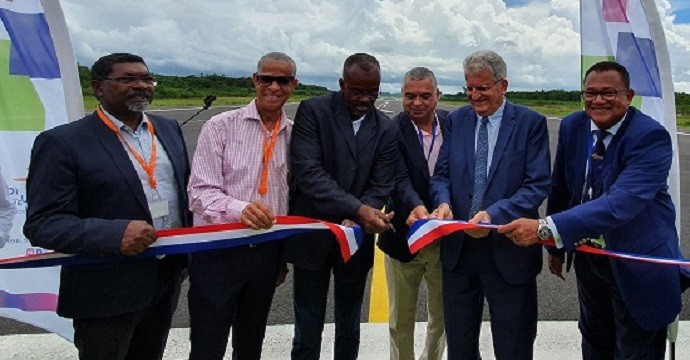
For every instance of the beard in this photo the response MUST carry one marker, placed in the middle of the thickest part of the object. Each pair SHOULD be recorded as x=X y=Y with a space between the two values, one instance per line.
x=138 y=101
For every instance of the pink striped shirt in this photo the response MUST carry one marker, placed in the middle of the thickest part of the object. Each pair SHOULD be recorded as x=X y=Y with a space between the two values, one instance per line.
x=226 y=170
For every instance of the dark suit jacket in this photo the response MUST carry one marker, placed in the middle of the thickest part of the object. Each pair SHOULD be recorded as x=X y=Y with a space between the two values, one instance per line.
x=335 y=172
x=518 y=182
x=411 y=185
x=83 y=190
x=635 y=214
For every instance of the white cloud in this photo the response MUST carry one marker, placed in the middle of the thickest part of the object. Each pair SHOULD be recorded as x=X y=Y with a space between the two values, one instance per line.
x=539 y=40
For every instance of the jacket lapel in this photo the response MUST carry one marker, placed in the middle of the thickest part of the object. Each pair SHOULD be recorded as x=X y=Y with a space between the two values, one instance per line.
x=467 y=130
x=116 y=151
x=344 y=122
x=504 y=133
x=411 y=139
x=367 y=131
x=583 y=139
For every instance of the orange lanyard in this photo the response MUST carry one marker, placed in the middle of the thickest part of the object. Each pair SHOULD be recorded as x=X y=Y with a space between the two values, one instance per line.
x=269 y=145
x=149 y=168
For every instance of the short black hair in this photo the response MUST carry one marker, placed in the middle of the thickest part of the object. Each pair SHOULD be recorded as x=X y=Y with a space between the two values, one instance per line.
x=365 y=61
x=103 y=67
x=610 y=66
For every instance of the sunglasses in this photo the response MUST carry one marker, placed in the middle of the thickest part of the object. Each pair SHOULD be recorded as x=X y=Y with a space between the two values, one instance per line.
x=267 y=80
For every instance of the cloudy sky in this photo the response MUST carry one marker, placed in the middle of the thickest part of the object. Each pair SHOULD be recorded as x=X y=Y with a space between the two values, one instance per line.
x=538 y=38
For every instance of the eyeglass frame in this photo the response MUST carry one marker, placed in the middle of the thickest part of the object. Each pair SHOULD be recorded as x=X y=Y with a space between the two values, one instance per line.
x=612 y=94
x=131 y=80
x=480 y=89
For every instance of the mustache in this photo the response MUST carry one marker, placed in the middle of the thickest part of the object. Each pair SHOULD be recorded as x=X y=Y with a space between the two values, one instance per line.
x=139 y=93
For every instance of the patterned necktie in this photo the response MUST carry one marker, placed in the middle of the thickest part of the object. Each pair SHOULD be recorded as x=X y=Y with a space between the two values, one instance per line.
x=594 y=181
x=480 y=166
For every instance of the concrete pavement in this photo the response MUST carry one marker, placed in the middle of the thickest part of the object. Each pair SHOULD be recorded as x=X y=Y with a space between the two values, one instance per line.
x=555 y=340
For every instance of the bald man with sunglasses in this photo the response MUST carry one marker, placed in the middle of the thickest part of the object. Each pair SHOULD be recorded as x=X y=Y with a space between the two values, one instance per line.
x=239 y=174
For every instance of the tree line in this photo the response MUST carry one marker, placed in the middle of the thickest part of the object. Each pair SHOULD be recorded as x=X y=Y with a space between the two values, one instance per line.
x=198 y=86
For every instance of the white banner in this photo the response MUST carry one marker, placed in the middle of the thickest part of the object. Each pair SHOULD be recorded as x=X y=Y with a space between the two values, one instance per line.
x=630 y=33
x=39 y=89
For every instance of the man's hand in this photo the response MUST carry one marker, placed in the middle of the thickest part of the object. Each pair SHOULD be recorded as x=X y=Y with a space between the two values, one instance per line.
x=443 y=212
x=417 y=213
x=137 y=237
x=556 y=265
x=257 y=216
x=523 y=232
x=481 y=216
x=373 y=220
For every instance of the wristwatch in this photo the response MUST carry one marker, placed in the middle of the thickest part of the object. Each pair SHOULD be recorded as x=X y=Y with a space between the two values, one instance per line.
x=543 y=231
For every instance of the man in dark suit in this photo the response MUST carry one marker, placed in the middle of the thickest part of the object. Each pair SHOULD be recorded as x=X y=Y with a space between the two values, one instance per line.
x=102 y=186
x=494 y=166
x=610 y=189
x=342 y=153
x=421 y=127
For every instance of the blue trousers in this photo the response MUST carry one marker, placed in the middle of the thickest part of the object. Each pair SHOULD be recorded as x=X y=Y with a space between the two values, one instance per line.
x=607 y=327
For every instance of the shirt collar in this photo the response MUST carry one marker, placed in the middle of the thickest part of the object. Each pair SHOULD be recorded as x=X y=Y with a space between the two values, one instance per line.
x=613 y=129
x=496 y=117
x=253 y=114
x=124 y=127
x=437 y=125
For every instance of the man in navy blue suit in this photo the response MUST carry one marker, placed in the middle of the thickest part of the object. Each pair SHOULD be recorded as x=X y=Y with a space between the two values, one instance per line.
x=610 y=189
x=102 y=186
x=494 y=166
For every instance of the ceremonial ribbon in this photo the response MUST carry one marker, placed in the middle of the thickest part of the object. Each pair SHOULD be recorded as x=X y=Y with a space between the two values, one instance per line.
x=209 y=237
x=149 y=168
x=424 y=232
x=269 y=145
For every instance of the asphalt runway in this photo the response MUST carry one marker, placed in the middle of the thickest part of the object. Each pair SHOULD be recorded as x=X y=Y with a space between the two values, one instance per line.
x=557 y=298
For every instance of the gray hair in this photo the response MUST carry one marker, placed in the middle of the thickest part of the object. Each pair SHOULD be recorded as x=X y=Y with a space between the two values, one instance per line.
x=277 y=56
x=420 y=73
x=483 y=60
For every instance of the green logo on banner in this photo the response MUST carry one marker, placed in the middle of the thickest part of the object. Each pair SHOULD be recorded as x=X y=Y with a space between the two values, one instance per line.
x=21 y=108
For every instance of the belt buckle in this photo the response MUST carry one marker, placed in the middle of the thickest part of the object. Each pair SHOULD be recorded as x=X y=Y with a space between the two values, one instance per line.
x=252 y=245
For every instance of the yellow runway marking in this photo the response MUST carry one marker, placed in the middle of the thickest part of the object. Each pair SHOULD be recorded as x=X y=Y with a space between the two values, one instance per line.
x=378 y=299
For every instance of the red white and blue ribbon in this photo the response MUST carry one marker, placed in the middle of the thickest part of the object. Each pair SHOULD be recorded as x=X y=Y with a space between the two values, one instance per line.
x=424 y=232
x=209 y=237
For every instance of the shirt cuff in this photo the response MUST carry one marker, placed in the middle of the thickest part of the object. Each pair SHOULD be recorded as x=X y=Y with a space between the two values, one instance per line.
x=554 y=231
x=234 y=211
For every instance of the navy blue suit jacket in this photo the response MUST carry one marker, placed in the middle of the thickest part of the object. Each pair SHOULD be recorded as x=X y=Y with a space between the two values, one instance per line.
x=335 y=172
x=411 y=185
x=83 y=190
x=518 y=182
x=635 y=213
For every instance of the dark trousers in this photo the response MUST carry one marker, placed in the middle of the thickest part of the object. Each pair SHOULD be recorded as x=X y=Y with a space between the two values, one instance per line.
x=137 y=335
x=513 y=308
x=607 y=327
x=231 y=288
x=310 y=295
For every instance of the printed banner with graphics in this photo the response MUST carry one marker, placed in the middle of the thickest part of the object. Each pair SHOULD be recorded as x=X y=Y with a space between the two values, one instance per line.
x=39 y=89
x=630 y=33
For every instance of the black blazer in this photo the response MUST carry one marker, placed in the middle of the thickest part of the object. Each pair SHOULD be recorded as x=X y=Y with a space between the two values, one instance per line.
x=83 y=190
x=334 y=173
x=411 y=185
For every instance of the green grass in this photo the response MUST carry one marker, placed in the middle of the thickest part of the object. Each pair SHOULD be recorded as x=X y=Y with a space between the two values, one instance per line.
x=548 y=108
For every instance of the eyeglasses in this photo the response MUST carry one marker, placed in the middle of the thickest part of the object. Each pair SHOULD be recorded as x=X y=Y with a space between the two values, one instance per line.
x=267 y=80
x=360 y=94
x=606 y=95
x=481 y=89
x=131 y=80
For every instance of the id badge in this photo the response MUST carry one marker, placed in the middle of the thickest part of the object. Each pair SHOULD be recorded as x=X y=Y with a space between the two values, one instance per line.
x=159 y=209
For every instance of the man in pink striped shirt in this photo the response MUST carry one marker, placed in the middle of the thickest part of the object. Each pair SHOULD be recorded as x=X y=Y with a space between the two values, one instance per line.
x=239 y=174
